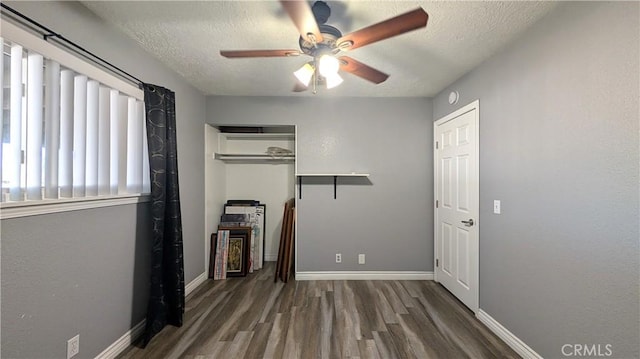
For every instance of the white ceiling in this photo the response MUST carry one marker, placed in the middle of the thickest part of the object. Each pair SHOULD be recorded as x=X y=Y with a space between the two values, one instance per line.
x=188 y=36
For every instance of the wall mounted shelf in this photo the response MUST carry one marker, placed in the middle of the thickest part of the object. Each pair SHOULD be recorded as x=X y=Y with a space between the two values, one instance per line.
x=335 y=180
x=352 y=174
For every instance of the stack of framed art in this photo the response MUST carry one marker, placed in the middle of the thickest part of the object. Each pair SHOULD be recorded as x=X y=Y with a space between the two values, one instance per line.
x=238 y=246
x=255 y=217
x=231 y=252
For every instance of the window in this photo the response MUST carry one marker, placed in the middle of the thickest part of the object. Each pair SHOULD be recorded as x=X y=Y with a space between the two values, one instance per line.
x=69 y=129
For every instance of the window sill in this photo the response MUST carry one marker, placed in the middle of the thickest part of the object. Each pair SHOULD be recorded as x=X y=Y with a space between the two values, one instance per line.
x=34 y=208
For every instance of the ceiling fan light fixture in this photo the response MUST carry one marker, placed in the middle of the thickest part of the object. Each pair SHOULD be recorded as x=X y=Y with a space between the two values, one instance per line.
x=304 y=74
x=333 y=81
x=328 y=66
x=324 y=42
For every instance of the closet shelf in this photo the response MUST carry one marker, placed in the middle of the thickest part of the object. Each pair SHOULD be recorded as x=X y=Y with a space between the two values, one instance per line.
x=236 y=157
x=254 y=147
x=258 y=136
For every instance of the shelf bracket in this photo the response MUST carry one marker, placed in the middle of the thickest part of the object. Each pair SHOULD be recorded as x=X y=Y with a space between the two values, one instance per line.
x=335 y=186
x=299 y=187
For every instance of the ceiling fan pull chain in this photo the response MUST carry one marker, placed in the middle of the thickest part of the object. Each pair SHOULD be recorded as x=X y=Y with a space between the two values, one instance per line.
x=315 y=76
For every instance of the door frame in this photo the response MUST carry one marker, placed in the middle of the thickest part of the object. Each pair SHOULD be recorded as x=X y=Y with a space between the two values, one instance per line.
x=475 y=105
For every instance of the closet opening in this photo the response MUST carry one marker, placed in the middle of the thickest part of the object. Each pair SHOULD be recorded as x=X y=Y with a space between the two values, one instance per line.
x=249 y=163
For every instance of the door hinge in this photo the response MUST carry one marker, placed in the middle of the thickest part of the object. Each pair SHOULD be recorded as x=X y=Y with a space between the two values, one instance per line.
x=437 y=262
x=437 y=203
x=436 y=145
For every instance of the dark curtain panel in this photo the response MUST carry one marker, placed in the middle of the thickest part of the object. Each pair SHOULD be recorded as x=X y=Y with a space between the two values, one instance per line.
x=166 y=298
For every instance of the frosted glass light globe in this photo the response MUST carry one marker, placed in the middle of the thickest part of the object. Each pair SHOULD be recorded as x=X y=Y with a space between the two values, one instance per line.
x=328 y=65
x=333 y=81
x=304 y=74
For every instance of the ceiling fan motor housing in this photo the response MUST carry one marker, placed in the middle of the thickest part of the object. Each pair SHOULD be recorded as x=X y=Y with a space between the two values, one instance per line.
x=329 y=36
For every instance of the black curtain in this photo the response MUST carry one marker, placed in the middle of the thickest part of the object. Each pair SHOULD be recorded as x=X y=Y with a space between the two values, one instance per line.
x=166 y=297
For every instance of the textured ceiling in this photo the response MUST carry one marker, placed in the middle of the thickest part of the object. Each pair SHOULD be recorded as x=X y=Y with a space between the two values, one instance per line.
x=187 y=36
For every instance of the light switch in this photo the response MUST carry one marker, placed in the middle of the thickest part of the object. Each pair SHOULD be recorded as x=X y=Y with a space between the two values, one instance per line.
x=496 y=206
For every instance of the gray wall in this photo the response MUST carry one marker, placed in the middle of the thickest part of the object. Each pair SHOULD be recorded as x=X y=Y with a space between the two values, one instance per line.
x=387 y=217
x=86 y=272
x=559 y=147
x=80 y=272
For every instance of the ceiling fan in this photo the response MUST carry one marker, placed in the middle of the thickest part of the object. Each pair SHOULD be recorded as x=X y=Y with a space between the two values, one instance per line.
x=324 y=42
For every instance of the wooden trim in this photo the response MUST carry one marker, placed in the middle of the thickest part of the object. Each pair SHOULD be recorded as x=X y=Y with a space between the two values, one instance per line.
x=365 y=275
x=195 y=283
x=123 y=342
x=503 y=333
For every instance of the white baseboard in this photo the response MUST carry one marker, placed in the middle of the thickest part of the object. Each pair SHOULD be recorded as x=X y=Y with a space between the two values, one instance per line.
x=134 y=333
x=271 y=257
x=195 y=283
x=365 y=275
x=123 y=342
x=503 y=333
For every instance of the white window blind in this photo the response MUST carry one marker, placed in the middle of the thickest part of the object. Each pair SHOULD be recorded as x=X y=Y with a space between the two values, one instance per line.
x=104 y=129
x=13 y=169
x=65 y=171
x=134 y=141
x=52 y=126
x=66 y=134
x=121 y=182
x=79 y=150
x=91 y=176
x=35 y=107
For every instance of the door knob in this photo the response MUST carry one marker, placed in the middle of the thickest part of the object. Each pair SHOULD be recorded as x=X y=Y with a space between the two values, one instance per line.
x=468 y=223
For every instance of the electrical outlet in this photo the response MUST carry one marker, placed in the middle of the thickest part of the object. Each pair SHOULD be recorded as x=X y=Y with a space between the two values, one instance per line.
x=496 y=206
x=360 y=258
x=338 y=258
x=73 y=346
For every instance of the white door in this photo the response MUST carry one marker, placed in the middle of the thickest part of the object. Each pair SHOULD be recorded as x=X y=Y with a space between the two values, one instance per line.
x=456 y=193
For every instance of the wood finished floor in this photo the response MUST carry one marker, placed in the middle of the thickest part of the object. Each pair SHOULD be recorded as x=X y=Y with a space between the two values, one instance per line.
x=253 y=317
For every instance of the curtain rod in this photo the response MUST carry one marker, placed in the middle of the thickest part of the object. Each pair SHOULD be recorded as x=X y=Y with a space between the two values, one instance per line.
x=48 y=34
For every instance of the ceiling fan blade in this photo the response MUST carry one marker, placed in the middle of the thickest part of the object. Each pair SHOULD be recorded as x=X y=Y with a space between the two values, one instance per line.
x=383 y=30
x=302 y=16
x=359 y=69
x=259 y=53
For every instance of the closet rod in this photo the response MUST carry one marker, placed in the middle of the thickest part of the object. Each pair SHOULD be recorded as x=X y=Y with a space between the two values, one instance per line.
x=48 y=34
